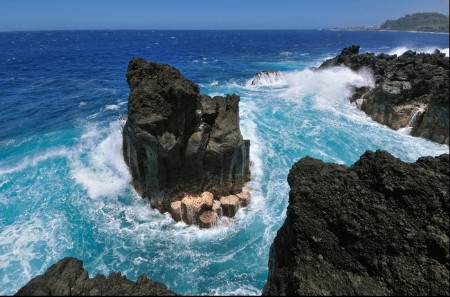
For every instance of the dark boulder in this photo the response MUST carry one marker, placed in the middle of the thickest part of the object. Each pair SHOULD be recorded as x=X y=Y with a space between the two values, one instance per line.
x=68 y=278
x=178 y=142
x=378 y=227
x=411 y=91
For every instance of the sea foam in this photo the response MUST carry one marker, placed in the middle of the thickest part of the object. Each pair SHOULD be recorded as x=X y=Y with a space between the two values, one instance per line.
x=400 y=50
x=99 y=165
x=327 y=86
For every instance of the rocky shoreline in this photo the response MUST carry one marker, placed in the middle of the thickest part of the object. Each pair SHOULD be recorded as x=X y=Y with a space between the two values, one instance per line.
x=411 y=91
x=185 y=150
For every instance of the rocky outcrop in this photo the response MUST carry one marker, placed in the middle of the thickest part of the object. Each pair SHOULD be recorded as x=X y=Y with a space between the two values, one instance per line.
x=68 y=278
x=378 y=227
x=180 y=144
x=267 y=78
x=411 y=91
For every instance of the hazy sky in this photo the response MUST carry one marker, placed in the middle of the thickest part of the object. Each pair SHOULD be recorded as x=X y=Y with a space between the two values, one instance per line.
x=205 y=14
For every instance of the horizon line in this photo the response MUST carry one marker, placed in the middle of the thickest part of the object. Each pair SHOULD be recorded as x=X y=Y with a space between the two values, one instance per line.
x=316 y=29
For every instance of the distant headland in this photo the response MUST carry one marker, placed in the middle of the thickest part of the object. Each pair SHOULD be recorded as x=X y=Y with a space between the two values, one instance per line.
x=421 y=22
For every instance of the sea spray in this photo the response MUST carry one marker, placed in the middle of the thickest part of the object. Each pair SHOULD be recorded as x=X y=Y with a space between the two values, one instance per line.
x=428 y=50
x=99 y=166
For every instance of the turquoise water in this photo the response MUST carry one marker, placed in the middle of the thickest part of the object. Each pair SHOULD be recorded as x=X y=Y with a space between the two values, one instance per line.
x=64 y=189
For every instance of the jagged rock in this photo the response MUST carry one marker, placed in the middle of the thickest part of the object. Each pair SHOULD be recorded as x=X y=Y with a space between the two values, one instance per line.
x=230 y=205
x=403 y=84
x=178 y=142
x=244 y=198
x=193 y=206
x=68 y=278
x=217 y=208
x=378 y=227
x=208 y=219
x=176 y=210
x=267 y=78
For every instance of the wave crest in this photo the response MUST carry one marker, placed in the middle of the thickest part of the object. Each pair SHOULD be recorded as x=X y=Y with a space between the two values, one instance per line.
x=267 y=78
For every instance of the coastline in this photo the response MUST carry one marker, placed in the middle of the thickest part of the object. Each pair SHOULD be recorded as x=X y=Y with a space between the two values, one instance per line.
x=382 y=30
x=120 y=228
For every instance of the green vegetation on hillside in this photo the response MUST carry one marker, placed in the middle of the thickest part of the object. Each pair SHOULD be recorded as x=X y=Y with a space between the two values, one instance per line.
x=425 y=21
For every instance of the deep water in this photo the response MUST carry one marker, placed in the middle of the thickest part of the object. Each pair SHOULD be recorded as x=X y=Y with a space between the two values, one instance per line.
x=64 y=189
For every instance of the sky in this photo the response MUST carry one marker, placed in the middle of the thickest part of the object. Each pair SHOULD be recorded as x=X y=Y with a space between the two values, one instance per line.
x=29 y=15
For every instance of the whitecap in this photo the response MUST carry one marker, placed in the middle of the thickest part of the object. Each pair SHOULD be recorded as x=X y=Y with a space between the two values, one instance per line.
x=211 y=84
x=56 y=152
x=112 y=107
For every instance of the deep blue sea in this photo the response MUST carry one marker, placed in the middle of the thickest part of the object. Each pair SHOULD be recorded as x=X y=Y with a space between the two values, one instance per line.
x=64 y=188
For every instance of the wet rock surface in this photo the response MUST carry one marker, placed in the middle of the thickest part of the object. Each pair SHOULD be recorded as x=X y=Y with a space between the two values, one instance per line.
x=267 y=78
x=178 y=142
x=411 y=90
x=378 y=227
x=68 y=278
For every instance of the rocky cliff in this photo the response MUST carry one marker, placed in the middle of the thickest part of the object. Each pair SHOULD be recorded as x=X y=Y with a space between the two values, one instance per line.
x=421 y=21
x=411 y=91
x=378 y=227
x=68 y=278
x=184 y=150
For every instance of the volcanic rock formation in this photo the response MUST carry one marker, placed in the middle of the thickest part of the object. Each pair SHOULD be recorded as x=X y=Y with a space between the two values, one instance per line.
x=267 y=78
x=378 y=227
x=185 y=150
x=411 y=91
x=68 y=278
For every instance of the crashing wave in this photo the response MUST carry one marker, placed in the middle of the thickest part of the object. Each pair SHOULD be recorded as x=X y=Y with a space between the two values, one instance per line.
x=267 y=78
x=400 y=50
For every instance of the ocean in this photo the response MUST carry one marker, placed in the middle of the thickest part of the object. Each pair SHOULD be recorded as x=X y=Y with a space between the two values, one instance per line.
x=65 y=190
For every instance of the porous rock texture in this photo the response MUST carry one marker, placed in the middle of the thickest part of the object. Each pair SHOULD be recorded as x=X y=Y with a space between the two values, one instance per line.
x=68 y=278
x=179 y=143
x=378 y=227
x=411 y=91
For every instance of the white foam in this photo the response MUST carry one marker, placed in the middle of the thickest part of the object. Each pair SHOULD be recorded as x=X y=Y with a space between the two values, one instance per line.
x=112 y=107
x=267 y=78
x=99 y=167
x=286 y=53
x=248 y=112
x=35 y=160
x=15 y=142
x=26 y=240
x=400 y=50
x=417 y=111
x=115 y=106
x=211 y=84
x=332 y=85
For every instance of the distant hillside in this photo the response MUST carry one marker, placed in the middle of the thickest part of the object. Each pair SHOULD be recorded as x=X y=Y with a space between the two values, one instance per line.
x=425 y=21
